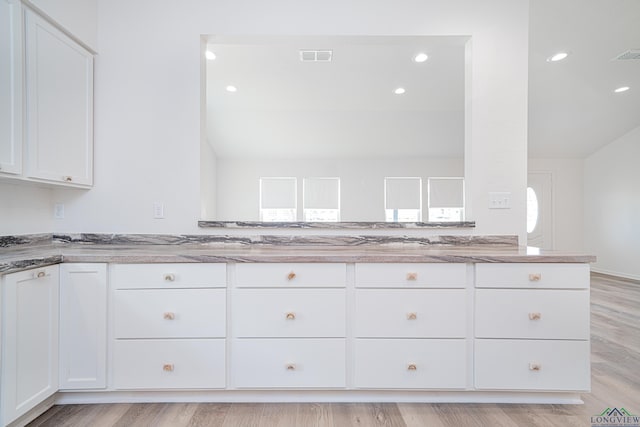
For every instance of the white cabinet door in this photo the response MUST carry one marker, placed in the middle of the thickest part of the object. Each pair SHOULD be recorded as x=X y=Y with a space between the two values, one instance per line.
x=29 y=340
x=10 y=87
x=59 y=122
x=83 y=326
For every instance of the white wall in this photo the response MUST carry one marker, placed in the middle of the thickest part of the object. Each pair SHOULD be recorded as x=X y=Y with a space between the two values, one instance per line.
x=361 y=180
x=567 y=181
x=612 y=206
x=25 y=209
x=148 y=98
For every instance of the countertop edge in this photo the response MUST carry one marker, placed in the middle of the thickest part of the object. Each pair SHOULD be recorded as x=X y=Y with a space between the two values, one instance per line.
x=42 y=257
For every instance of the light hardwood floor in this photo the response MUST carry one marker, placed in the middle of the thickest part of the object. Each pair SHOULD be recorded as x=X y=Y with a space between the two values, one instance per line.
x=615 y=361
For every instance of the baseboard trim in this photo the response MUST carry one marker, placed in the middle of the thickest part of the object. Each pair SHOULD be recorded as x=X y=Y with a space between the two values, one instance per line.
x=317 y=396
x=616 y=274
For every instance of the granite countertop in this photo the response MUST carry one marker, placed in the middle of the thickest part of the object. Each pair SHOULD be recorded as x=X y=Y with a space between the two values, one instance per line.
x=17 y=258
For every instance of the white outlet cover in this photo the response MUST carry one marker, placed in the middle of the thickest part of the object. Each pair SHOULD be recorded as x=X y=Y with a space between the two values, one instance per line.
x=58 y=211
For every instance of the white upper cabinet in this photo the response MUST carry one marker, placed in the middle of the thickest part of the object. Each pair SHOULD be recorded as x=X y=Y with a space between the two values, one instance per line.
x=59 y=113
x=11 y=84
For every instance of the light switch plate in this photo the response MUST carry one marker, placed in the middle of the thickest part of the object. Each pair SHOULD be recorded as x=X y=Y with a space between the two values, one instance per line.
x=158 y=210
x=499 y=200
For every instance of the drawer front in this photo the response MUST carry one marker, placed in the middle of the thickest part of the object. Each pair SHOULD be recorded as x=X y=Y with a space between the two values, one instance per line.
x=411 y=275
x=170 y=313
x=282 y=363
x=411 y=364
x=533 y=275
x=167 y=364
x=291 y=275
x=289 y=313
x=409 y=313
x=532 y=365
x=522 y=313
x=143 y=276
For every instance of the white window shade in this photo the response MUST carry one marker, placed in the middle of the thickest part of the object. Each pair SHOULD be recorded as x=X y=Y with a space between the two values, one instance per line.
x=403 y=193
x=446 y=192
x=277 y=193
x=321 y=193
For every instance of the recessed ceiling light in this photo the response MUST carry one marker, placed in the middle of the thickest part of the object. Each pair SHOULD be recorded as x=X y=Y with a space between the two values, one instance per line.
x=399 y=91
x=622 y=89
x=231 y=88
x=557 y=57
x=421 y=57
x=210 y=55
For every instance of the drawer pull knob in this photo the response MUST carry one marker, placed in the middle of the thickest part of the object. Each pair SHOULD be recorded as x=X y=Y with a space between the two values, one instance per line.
x=68 y=179
x=412 y=316
x=291 y=316
x=169 y=277
x=41 y=274
x=535 y=277
x=535 y=316
x=535 y=366
x=413 y=276
x=169 y=316
x=412 y=367
x=291 y=276
x=290 y=367
x=167 y=367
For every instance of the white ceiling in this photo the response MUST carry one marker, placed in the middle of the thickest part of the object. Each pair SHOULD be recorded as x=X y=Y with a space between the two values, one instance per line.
x=287 y=108
x=344 y=108
x=573 y=110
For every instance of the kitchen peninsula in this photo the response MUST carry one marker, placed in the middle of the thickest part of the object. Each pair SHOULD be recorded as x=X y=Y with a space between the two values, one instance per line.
x=293 y=318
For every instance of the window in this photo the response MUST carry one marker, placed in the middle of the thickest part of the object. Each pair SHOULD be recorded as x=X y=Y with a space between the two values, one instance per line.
x=403 y=199
x=446 y=199
x=532 y=210
x=278 y=201
x=321 y=199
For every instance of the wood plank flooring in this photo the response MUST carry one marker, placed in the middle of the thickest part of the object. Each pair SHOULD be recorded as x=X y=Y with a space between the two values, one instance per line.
x=615 y=361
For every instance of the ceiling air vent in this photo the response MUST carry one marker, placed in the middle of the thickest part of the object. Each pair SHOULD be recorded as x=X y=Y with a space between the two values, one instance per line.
x=630 y=54
x=316 y=55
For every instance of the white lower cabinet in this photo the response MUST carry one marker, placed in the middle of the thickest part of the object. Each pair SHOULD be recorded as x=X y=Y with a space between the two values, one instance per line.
x=169 y=364
x=83 y=326
x=359 y=327
x=29 y=340
x=287 y=363
x=410 y=326
x=410 y=363
x=289 y=326
x=169 y=326
x=532 y=327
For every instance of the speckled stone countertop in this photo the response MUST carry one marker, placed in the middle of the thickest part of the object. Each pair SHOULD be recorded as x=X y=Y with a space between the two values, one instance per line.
x=17 y=257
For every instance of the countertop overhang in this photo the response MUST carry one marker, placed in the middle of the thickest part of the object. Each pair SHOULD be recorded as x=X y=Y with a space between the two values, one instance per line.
x=17 y=259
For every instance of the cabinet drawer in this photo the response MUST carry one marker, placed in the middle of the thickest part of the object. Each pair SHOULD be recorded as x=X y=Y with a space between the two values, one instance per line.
x=522 y=313
x=142 y=276
x=533 y=275
x=289 y=313
x=166 y=364
x=278 y=363
x=291 y=275
x=170 y=313
x=532 y=365
x=419 y=313
x=412 y=275
x=411 y=364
